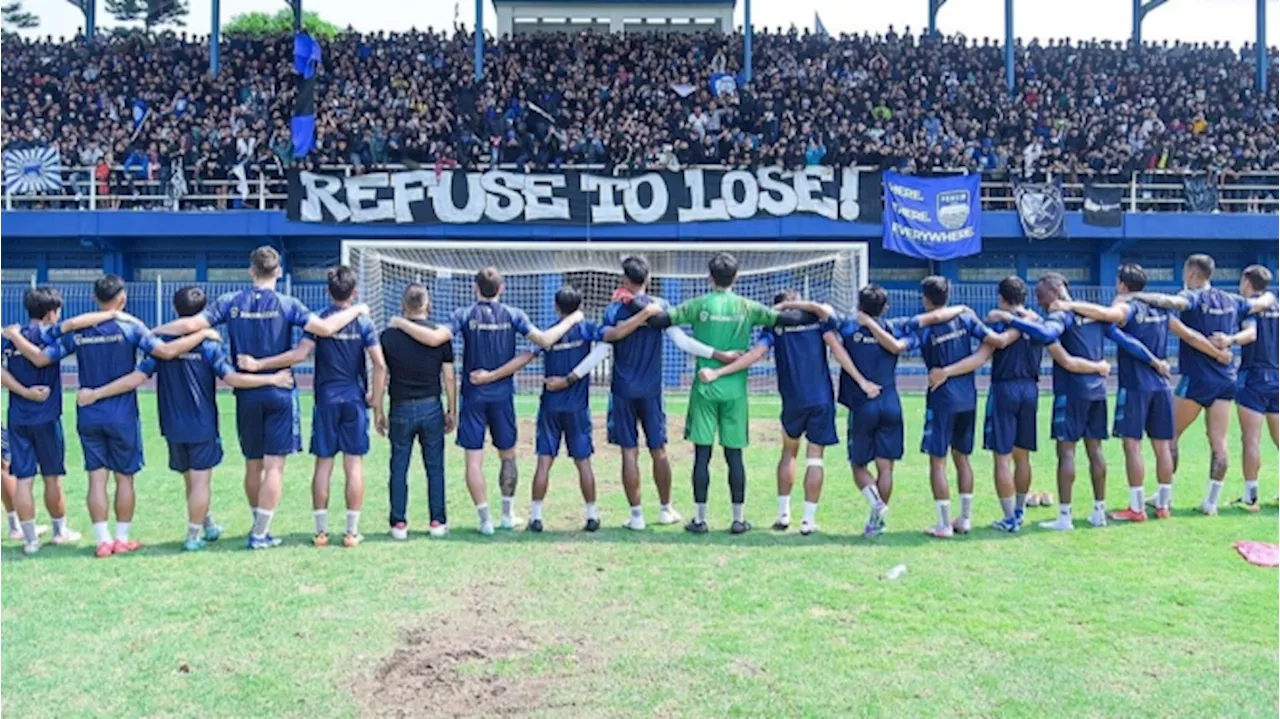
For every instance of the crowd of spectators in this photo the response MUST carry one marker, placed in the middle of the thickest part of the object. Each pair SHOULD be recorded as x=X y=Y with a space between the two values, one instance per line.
x=899 y=100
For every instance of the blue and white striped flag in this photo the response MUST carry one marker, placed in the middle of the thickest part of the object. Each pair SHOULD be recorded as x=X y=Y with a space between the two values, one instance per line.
x=38 y=169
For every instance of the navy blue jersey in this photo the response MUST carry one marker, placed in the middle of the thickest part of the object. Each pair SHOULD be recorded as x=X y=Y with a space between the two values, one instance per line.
x=23 y=411
x=259 y=323
x=637 y=358
x=560 y=360
x=1150 y=326
x=1019 y=361
x=1208 y=310
x=488 y=330
x=1080 y=337
x=877 y=364
x=947 y=343
x=186 y=391
x=340 y=366
x=1259 y=354
x=801 y=358
x=105 y=353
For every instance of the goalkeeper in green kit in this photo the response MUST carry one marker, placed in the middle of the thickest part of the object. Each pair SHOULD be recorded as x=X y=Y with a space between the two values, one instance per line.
x=724 y=321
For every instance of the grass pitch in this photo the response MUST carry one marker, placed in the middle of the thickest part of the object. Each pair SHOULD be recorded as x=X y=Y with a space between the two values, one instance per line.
x=1159 y=620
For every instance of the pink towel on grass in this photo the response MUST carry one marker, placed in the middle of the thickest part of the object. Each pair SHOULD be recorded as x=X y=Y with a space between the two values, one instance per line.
x=1259 y=553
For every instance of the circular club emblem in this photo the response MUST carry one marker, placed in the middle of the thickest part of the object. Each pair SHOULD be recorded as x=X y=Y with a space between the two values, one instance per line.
x=473 y=325
x=704 y=316
x=235 y=312
x=777 y=331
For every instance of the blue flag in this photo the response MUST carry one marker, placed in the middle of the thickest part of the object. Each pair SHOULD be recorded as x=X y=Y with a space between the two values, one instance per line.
x=140 y=111
x=722 y=83
x=306 y=59
x=818 y=28
x=933 y=218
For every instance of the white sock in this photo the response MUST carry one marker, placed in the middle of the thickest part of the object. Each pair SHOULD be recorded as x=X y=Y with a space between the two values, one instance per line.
x=193 y=532
x=966 y=506
x=1099 y=506
x=637 y=512
x=321 y=517
x=1165 y=496
x=262 y=522
x=59 y=526
x=1251 y=491
x=666 y=508
x=1006 y=506
x=122 y=531
x=1020 y=503
x=944 y=512
x=353 y=521
x=15 y=525
x=508 y=506
x=483 y=511
x=535 y=510
x=1064 y=513
x=1215 y=492
x=208 y=521
x=784 y=506
x=1137 y=499
x=700 y=512
x=592 y=512
x=810 y=512
x=873 y=495
x=101 y=533
x=738 y=511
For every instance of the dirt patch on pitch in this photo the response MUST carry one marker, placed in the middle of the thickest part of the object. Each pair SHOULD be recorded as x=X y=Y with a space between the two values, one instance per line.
x=477 y=661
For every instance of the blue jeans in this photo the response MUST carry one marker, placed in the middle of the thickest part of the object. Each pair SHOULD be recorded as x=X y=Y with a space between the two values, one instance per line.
x=422 y=419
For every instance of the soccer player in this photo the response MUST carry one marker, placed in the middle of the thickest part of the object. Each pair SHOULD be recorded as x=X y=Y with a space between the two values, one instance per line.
x=340 y=417
x=1144 y=403
x=1258 y=386
x=488 y=328
x=106 y=344
x=944 y=334
x=634 y=324
x=186 y=400
x=260 y=324
x=1206 y=383
x=808 y=404
x=35 y=422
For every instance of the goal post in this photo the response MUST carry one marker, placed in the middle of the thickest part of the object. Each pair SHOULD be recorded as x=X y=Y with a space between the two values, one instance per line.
x=830 y=272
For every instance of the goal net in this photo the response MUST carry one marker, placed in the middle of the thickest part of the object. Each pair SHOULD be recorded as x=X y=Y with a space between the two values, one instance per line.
x=533 y=271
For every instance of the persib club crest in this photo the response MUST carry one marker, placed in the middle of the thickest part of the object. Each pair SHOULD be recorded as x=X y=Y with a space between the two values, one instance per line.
x=953 y=209
x=704 y=316
x=235 y=312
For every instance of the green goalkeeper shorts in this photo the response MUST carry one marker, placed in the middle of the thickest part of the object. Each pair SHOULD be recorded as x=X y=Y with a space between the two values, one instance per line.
x=706 y=417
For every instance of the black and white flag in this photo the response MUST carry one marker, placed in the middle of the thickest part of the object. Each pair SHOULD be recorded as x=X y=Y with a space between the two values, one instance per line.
x=38 y=169
x=1102 y=205
x=1041 y=209
x=1202 y=195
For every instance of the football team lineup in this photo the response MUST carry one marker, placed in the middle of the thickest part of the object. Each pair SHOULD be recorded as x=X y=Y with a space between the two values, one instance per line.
x=356 y=367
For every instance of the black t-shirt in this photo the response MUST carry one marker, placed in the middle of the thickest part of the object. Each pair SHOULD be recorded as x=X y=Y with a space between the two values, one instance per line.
x=414 y=367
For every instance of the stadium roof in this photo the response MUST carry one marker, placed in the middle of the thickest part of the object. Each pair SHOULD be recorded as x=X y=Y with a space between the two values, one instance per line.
x=664 y=3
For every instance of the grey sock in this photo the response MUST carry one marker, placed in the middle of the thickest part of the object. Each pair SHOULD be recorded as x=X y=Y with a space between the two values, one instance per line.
x=261 y=522
x=29 y=532
x=208 y=521
x=1020 y=503
x=193 y=532
x=59 y=526
x=1006 y=504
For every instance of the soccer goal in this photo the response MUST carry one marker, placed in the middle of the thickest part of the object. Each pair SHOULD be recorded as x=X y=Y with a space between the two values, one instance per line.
x=830 y=272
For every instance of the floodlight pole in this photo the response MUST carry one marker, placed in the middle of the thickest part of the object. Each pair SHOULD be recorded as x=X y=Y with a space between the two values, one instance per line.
x=1260 y=48
x=746 y=41
x=479 y=59
x=1140 y=11
x=90 y=8
x=215 y=31
x=934 y=7
x=1008 y=45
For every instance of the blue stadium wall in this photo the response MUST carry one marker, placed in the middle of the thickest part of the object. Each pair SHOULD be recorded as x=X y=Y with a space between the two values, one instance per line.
x=57 y=245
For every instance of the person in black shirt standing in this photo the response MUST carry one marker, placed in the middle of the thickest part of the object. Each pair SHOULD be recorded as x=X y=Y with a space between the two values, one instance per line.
x=417 y=373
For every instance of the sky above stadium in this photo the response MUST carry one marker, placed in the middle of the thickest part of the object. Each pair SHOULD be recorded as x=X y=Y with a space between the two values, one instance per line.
x=1192 y=20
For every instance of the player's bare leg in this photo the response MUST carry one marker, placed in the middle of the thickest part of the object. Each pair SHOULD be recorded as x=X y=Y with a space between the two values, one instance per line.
x=197 y=482
x=1021 y=480
x=964 y=483
x=662 y=480
x=268 y=499
x=8 y=487
x=941 y=497
x=126 y=500
x=813 y=479
x=353 y=468
x=508 y=479
x=1273 y=422
x=884 y=478
x=475 y=485
x=631 y=485
x=321 y=477
x=99 y=510
x=252 y=483
x=23 y=512
x=1066 y=478
x=55 y=502
x=587 y=483
x=541 y=480
x=1002 y=470
x=786 y=481
x=1098 y=478
x=1216 y=420
x=1137 y=475
x=1185 y=411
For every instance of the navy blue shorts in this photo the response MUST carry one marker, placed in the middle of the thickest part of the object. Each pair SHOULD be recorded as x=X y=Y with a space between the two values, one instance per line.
x=817 y=424
x=195 y=456
x=341 y=427
x=1259 y=390
x=574 y=426
x=499 y=416
x=37 y=449
x=946 y=429
x=1205 y=392
x=1011 y=416
x=267 y=423
x=116 y=447
x=1144 y=411
x=1076 y=419
x=875 y=430
x=627 y=415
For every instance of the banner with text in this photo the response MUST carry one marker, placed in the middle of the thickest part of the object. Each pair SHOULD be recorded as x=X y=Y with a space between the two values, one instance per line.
x=425 y=197
x=933 y=218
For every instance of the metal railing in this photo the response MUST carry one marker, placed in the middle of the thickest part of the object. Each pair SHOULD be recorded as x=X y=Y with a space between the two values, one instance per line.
x=1148 y=191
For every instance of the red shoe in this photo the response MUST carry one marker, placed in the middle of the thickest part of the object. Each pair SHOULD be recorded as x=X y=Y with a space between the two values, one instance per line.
x=124 y=546
x=1162 y=512
x=1128 y=515
x=105 y=549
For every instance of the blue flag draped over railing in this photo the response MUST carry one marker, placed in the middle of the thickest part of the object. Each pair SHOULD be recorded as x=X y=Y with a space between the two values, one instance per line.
x=933 y=218
x=306 y=60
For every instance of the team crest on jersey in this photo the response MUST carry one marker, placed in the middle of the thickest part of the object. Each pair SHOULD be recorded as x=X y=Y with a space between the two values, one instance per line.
x=235 y=312
x=777 y=331
x=704 y=316
x=473 y=324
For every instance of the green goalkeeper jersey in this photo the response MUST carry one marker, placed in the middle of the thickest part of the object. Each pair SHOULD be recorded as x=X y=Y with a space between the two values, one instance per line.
x=724 y=321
